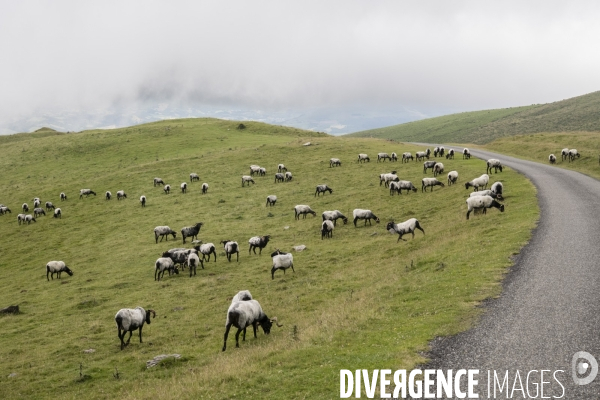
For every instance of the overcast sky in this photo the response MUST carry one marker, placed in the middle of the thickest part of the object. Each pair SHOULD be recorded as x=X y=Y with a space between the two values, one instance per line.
x=425 y=57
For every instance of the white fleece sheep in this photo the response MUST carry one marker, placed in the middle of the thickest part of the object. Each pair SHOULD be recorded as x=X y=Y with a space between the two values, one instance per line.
x=86 y=192
x=452 y=177
x=438 y=168
x=288 y=176
x=399 y=186
x=254 y=169
x=407 y=156
x=163 y=231
x=259 y=242
x=387 y=178
x=183 y=187
x=121 y=195
x=164 y=264
x=450 y=154
x=493 y=163
x=38 y=211
x=564 y=153
x=420 y=155
x=108 y=195
x=206 y=249
x=158 y=181
x=57 y=267
x=302 y=209
x=63 y=196
x=367 y=215
x=247 y=179
x=204 y=188
x=482 y=202
x=466 y=154
x=430 y=182
x=334 y=216
x=49 y=206
x=335 y=162
x=394 y=157
x=194 y=177
x=322 y=189
x=283 y=262
x=552 y=158
x=58 y=213
x=192 y=261
x=143 y=201
x=363 y=157
x=242 y=295
x=243 y=314
x=572 y=154
x=129 y=320
x=231 y=247
x=167 y=189
x=281 y=168
x=279 y=177
x=383 y=156
x=405 y=227
x=271 y=200
x=327 y=229
x=477 y=183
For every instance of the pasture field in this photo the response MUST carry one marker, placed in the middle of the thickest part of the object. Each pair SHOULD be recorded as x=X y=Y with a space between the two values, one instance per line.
x=538 y=147
x=358 y=300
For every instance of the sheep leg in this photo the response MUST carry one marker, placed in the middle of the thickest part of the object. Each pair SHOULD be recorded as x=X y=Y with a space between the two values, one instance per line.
x=237 y=337
x=140 y=333
x=202 y=263
x=238 y=256
x=244 y=335
x=225 y=336
x=254 y=327
x=128 y=339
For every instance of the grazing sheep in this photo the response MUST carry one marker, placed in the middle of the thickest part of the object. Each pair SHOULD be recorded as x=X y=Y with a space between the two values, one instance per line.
x=288 y=176
x=327 y=229
x=420 y=155
x=49 y=206
x=262 y=171
x=158 y=181
x=281 y=168
x=564 y=153
x=335 y=162
x=129 y=320
x=143 y=201
x=108 y=195
x=387 y=178
x=25 y=207
x=242 y=295
x=193 y=261
x=258 y=241
x=477 y=183
x=430 y=182
x=497 y=188
x=282 y=261
x=63 y=196
x=204 y=188
x=438 y=168
x=572 y=154
x=4 y=210
x=254 y=169
x=243 y=314
x=427 y=153
x=57 y=267
x=183 y=187
x=191 y=231
x=163 y=231
x=29 y=218
x=194 y=177
x=38 y=211
x=58 y=213
x=427 y=165
x=230 y=248
x=407 y=156
x=487 y=192
x=363 y=157
x=482 y=202
x=334 y=216
x=167 y=189
x=164 y=264
x=450 y=155
x=271 y=200
x=436 y=150
x=383 y=156
x=279 y=177
x=322 y=189
x=206 y=250
x=36 y=202
x=303 y=209
x=247 y=179
x=405 y=227
x=367 y=215
x=86 y=192
x=121 y=195
x=466 y=154
x=394 y=157
x=493 y=163
x=452 y=177
x=20 y=218
x=401 y=185
x=552 y=158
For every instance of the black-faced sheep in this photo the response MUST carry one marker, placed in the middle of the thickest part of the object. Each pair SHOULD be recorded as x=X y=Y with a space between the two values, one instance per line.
x=254 y=169
x=167 y=189
x=86 y=192
x=29 y=218
x=466 y=154
x=497 y=188
x=387 y=178
x=258 y=241
x=430 y=182
x=334 y=216
x=57 y=267
x=38 y=211
x=58 y=213
x=420 y=155
x=452 y=177
x=271 y=200
x=143 y=201
x=322 y=189
x=363 y=157
x=493 y=163
x=194 y=177
x=129 y=320
x=477 y=183
x=183 y=187
x=288 y=176
x=25 y=207
x=231 y=247
x=367 y=215
x=247 y=179
x=108 y=195
x=20 y=218
x=394 y=157
x=564 y=153
x=243 y=314
x=450 y=155
x=164 y=264
x=281 y=168
x=427 y=165
x=303 y=209
x=193 y=261
x=279 y=177
x=4 y=210
x=335 y=162
x=49 y=206
x=438 y=168
x=487 y=192
x=282 y=261
x=164 y=232
x=383 y=156
x=482 y=202
x=262 y=171
x=36 y=202
x=399 y=186
x=405 y=227
x=407 y=156
x=63 y=197
x=204 y=188
x=573 y=153
x=327 y=229
x=191 y=231
x=158 y=181
x=206 y=250
x=552 y=158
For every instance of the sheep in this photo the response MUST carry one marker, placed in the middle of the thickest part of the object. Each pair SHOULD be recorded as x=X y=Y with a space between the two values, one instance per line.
x=167 y=189
x=281 y=168
x=164 y=264
x=452 y=177
x=466 y=154
x=183 y=187
x=49 y=206
x=322 y=189
x=143 y=201
x=271 y=200
x=243 y=314
x=20 y=218
x=204 y=188
x=401 y=185
x=327 y=229
x=283 y=262
x=4 y=210
x=487 y=192
x=191 y=231
x=363 y=157
x=387 y=178
x=405 y=227
x=108 y=195
x=194 y=177
x=552 y=158
x=29 y=218
x=420 y=155
x=497 y=188
x=230 y=248
x=303 y=209
x=430 y=182
x=86 y=192
x=158 y=181
x=262 y=171
x=36 y=202
x=254 y=169
x=427 y=153
x=335 y=162
x=572 y=154
x=276 y=252
x=247 y=179
x=192 y=261
x=179 y=256
x=564 y=153
x=25 y=207
x=63 y=196
x=206 y=250
x=334 y=216
x=367 y=215
x=288 y=176
x=242 y=295
x=383 y=156
x=258 y=241
x=438 y=168
x=477 y=183
x=427 y=165
x=38 y=211
x=279 y=177
x=436 y=150
x=58 y=213
x=407 y=156
x=450 y=154
x=493 y=163
x=163 y=231
x=129 y=320
x=57 y=267
x=482 y=202
x=394 y=157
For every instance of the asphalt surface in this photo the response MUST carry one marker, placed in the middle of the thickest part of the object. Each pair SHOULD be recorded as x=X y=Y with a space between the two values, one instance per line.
x=549 y=308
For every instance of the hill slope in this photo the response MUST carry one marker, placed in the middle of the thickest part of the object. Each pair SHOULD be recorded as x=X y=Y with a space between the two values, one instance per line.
x=577 y=114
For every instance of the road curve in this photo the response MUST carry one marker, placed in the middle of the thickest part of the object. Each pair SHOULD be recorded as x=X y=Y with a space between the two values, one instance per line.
x=549 y=308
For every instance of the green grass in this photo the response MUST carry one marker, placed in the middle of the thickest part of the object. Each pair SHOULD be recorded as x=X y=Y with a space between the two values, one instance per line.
x=571 y=115
x=358 y=300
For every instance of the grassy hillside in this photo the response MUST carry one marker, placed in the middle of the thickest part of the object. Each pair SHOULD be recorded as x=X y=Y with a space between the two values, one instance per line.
x=572 y=115
x=358 y=300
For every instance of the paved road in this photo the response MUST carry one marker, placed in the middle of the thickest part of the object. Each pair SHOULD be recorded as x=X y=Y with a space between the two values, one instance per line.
x=550 y=304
